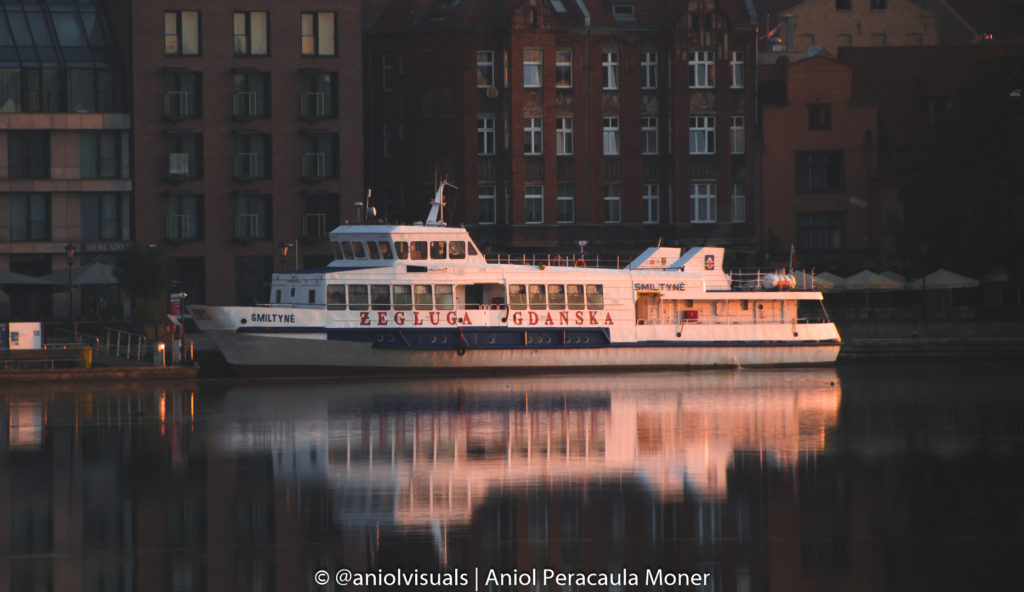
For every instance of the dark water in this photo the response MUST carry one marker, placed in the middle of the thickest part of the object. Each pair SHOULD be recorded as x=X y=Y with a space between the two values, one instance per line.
x=865 y=477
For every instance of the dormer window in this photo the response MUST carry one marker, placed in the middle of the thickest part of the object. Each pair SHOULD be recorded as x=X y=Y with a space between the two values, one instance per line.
x=624 y=12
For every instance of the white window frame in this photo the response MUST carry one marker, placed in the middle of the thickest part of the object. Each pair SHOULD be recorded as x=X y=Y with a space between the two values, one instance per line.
x=387 y=73
x=649 y=135
x=610 y=136
x=739 y=203
x=703 y=196
x=485 y=140
x=737 y=135
x=563 y=189
x=563 y=65
x=484 y=194
x=649 y=70
x=702 y=68
x=736 y=60
x=533 y=193
x=484 y=59
x=610 y=69
x=533 y=67
x=651 y=195
x=533 y=135
x=612 y=199
x=702 y=134
x=563 y=136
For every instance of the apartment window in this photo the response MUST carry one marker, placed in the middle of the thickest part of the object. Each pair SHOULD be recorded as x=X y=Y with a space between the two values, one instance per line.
x=842 y=4
x=649 y=70
x=485 y=135
x=320 y=216
x=105 y=216
x=484 y=69
x=563 y=136
x=184 y=217
x=183 y=91
x=739 y=192
x=650 y=199
x=820 y=170
x=623 y=12
x=702 y=134
x=565 y=203
x=251 y=98
x=610 y=70
x=532 y=128
x=28 y=154
x=819 y=117
x=487 y=204
x=736 y=59
x=610 y=135
x=877 y=4
x=737 y=137
x=184 y=156
x=820 y=231
x=30 y=216
x=534 y=204
x=251 y=33
x=252 y=156
x=318 y=91
x=563 y=68
x=702 y=68
x=181 y=32
x=317 y=33
x=533 y=60
x=649 y=135
x=387 y=72
x=88 y=91
x=703 y=208
x=319 y=156
x=99 y=154
x=252 y=217
x=612 y=203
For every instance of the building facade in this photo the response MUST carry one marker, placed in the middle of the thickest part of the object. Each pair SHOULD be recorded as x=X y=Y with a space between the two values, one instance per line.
x=65 y=166
x=613 y=123
x=247 y=135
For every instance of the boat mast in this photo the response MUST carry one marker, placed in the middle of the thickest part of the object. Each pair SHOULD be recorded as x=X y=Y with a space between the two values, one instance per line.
x=436 y=215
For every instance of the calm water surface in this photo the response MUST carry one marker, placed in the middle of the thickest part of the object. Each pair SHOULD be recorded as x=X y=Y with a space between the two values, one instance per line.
x=865 y=477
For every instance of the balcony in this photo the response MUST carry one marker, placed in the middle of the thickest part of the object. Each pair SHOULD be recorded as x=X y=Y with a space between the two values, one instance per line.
x=181 y=227
x=249 y=227
x=314 y=165
x=314 y=105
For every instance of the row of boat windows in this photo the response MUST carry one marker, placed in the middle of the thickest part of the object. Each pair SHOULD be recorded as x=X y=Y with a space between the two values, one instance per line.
x=415 y=250
x=440 y=297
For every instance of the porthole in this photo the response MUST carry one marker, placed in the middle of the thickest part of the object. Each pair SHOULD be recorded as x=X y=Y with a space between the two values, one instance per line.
x=433 y=339
x=243 y=321
x=380 y=339
x=490 y=339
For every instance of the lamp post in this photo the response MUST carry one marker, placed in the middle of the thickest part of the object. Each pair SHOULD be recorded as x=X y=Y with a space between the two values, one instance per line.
x=284 y=253
x=69 y=250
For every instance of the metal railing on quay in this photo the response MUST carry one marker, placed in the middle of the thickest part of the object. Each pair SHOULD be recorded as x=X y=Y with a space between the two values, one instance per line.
x=121 y=343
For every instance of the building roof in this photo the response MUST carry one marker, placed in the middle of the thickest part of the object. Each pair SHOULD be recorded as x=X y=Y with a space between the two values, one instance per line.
x=1003 y=20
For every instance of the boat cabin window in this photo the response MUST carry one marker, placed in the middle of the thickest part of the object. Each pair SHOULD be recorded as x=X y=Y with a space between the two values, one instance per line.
x=595 y=296
x=537 y=298
x=556 y=297
x=457 y=250
x=443 y=297
x=371 y=247
x=424 y=297
x=472 y=249
x=419 y=250
x=312 y=296
x=336 y=249
x=360 y=251
x=402 y=249
x=385 y=250
x=358 y=298
x=517 y=296
x=744 y=305
x=438 y=250
x=380 y=297
x=335 y=297
x=575 y=296
x=277 y=296
x=292 y=295
x=403 y=297
x=346 y=248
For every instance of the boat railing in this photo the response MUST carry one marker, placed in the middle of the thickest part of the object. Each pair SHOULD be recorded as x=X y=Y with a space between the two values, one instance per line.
x=770 y=279
x=560 y=260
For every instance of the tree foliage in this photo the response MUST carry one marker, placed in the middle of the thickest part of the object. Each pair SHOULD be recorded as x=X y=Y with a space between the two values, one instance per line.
x=145 y=273
x=964 y=197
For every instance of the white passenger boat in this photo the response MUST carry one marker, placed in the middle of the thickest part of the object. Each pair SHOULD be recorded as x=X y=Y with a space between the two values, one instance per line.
x=422 y=298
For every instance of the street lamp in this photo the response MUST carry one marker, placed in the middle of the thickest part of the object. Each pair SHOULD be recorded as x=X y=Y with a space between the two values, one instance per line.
x=284 y=253
x=69 y=250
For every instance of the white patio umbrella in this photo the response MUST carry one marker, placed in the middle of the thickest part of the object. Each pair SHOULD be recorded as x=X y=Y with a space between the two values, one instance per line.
x=892 y=275
x=12 y=279
x=942 y=279
x=96 y=273
x=870 y=281
x=831 y=278
x=807 y=281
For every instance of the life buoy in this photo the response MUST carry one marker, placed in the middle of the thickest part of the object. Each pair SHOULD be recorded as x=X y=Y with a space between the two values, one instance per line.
x=581 y=263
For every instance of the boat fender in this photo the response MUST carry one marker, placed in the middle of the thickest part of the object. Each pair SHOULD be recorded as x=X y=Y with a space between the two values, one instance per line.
x=462 y=345
x=581 y=263
x=542 y=267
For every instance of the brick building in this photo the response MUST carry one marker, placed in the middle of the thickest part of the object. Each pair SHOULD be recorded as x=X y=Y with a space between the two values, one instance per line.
x=247 y=134
x=612 y=122
x=65 y=173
